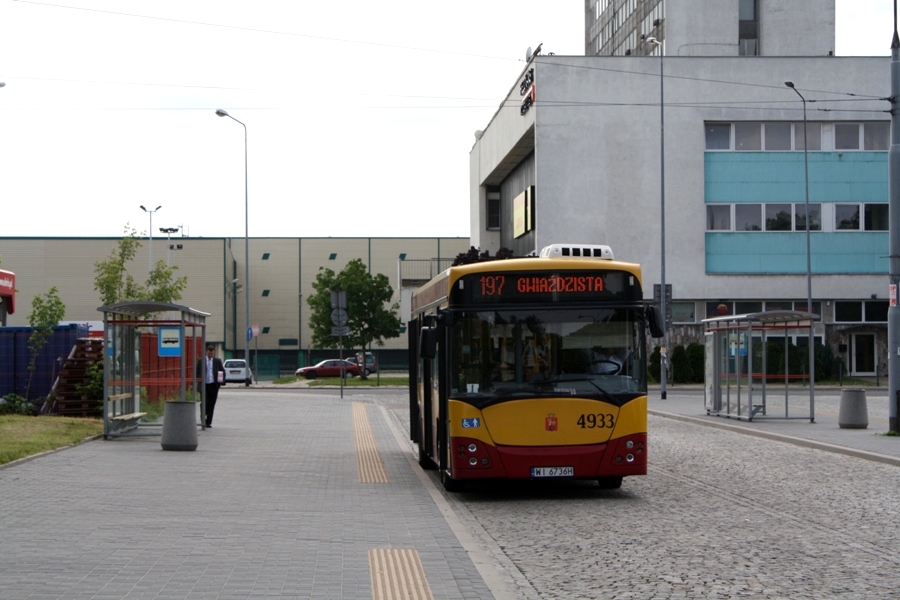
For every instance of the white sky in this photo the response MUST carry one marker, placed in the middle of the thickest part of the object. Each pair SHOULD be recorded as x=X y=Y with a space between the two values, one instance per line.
x=360 y=114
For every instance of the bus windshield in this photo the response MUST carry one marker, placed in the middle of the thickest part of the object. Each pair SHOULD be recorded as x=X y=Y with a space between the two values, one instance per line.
x=510 y=354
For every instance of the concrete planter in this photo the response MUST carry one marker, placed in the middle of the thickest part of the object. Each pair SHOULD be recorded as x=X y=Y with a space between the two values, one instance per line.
x=179 y=431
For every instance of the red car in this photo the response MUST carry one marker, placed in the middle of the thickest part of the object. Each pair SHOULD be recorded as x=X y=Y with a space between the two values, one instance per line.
x=328 y=368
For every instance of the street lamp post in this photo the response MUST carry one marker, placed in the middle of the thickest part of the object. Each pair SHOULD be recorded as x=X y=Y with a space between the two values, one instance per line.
x=812 y=379
x=168 y=231
x=223 y=113
x=663 y=359
x=147 y=210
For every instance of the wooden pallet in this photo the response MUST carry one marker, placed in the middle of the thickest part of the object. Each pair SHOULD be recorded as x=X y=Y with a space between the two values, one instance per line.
x=74 y=374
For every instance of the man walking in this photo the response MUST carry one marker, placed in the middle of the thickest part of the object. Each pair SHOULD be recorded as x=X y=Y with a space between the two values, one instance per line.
x=209 y=369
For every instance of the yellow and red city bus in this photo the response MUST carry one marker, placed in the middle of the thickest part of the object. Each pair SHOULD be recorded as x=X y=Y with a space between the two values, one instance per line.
x=532 y=368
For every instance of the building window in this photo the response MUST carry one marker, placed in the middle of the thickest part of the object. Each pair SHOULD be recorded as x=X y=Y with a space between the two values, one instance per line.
x=846 y=217
x=877 y=311
x=265 y=256
x=718 y=217
x=846 y=136
x=684 y=312
x=718 y=309
x=778 y=217
x=877 y=136
x=747 y=137
x=876 y=217
x=813 y=134
x=815 y=217
x=718 y=136
x=493 y=208
x=848 y=312
x=801 y=305
x=748 y=217
x=778 y=136
x=745 y=308
x=265 y=293
x=782 y=216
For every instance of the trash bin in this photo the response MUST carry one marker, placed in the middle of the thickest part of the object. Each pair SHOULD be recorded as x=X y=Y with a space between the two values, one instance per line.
x=179 y=431
x=854 y=414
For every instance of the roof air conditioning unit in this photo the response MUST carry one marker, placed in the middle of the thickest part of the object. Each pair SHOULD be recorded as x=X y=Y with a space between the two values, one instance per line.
x=577 y=251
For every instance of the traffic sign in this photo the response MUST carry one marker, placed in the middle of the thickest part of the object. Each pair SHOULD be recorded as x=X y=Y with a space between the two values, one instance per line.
x=339 y=317
x=340 y=331
x=249 y=333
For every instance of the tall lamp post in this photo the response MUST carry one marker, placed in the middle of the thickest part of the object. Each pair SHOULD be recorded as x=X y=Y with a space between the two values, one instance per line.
x=812 y=354
x=147 y=210
x=223 y=113
x=664 y=359
x=894 y=235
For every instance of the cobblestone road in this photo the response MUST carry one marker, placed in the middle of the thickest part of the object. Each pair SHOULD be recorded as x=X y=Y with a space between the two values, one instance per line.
x=719 y=515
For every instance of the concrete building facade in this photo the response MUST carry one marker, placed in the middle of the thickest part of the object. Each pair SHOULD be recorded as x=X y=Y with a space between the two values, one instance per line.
x=703 y=28
x=573 y=156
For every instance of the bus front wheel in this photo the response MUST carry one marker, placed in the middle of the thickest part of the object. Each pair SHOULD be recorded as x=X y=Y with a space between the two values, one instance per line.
x=425 y=461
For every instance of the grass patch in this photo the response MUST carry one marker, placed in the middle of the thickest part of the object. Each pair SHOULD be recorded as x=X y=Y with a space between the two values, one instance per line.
x=22 y=436
x=372 y=381
x=285 y=380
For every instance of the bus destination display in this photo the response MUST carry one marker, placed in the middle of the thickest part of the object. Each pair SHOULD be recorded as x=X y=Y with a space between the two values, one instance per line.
x=572 y=286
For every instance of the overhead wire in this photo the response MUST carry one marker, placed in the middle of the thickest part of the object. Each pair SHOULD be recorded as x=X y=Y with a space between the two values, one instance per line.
x=855 y=96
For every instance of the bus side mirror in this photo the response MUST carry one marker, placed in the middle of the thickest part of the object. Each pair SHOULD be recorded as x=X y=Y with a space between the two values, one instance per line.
x=428 y=342
x=655 y=321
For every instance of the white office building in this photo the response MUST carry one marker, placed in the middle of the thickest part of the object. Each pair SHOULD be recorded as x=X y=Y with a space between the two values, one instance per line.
x=573 y=155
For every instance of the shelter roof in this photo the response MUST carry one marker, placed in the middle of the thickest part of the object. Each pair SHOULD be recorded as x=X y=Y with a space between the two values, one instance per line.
x=771 y=317
x=137 y=308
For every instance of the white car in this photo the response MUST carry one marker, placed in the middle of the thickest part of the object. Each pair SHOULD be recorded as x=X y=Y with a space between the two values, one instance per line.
x=236 y=370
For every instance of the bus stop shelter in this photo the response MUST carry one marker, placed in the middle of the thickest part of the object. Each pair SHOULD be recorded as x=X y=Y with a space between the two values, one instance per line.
x=740 y=380
x=148 y=357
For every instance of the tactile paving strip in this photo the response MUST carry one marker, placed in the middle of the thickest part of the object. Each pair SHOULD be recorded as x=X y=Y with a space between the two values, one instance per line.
x=368 y=460
x=397 y=574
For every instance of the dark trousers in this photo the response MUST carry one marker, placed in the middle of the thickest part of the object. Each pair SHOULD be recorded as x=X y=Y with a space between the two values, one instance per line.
x=212 y=393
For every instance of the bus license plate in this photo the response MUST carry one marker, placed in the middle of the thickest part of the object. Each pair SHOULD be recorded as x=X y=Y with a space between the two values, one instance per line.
x=552 y=471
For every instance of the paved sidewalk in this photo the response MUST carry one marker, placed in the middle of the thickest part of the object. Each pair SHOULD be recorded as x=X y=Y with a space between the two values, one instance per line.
x=269 y=505
x=687 y=403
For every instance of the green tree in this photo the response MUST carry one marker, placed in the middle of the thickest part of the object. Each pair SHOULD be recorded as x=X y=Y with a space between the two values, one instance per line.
x=370 y=316
x=47 y=311
x=115 y=284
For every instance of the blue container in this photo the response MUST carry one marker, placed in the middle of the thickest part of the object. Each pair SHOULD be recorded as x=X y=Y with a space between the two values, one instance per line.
x=15 y=357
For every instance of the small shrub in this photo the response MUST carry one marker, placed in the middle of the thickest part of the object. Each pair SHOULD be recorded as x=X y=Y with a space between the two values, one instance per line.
x=14 y=404
x=653 y=368
x=696 y=355
x=681 y=366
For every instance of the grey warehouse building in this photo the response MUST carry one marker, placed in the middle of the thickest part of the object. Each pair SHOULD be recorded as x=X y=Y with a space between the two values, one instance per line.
x=282 y=271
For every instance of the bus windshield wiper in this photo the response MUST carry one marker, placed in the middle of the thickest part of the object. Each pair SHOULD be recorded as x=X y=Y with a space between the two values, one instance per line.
x=603 y=393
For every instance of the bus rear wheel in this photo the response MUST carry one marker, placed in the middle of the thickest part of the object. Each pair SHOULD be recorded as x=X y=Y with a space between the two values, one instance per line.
x=610 y=483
